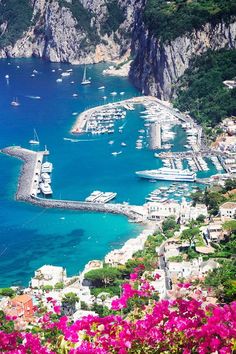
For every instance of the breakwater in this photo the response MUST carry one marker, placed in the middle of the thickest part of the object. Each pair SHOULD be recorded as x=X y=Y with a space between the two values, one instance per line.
x=29 y=181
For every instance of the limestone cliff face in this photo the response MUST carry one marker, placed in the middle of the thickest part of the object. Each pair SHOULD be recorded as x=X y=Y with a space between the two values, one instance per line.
x=57 y=35
x=157 y=67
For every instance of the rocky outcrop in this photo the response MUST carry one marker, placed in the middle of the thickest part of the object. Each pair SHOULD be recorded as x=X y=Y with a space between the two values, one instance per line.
x=158 y=66
x=59 y=37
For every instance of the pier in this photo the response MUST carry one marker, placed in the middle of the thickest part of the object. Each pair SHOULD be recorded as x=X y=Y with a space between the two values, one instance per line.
x=29 y=181
x=155 y=136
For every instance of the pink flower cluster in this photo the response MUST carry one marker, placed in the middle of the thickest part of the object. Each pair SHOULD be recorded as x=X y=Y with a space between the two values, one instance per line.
x=179 y=326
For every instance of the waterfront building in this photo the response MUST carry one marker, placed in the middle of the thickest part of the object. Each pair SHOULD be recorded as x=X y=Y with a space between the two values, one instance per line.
x=228 y=211
x=48 y=275
x=183 y=211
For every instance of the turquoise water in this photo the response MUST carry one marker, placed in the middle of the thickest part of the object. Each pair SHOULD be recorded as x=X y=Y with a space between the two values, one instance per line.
x=31 y=237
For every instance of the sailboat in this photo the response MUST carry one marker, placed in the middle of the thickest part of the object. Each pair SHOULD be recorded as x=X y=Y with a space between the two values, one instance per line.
x=15 y=102
x=35 y=140
x=85 y=81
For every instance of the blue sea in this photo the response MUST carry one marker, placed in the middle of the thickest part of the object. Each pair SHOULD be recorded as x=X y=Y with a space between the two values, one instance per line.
x=30 y=236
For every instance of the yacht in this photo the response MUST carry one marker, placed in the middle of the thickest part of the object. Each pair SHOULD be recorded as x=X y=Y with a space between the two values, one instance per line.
x=168 y=174
x=101 y=88
x=85 y=81
x=46 y=167
x=59 y=80
x=15 y=102
x=65 y=74
x=93 y=196
x=35 y=140
x=45 y=188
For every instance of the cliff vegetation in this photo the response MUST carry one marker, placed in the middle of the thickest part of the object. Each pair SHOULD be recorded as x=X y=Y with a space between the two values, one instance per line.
x=15 y=18
x=171 y=19
x=201 y=90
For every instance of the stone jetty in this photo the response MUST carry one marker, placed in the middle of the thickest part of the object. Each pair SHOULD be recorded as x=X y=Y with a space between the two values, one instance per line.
x=29 y=181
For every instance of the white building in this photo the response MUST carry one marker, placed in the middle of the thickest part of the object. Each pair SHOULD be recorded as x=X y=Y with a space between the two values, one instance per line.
x=187 y=269
x=183 y=211
x=228 y=211
x=48 y=275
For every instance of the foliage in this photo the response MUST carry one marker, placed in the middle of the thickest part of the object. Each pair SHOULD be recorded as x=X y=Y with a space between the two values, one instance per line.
x=17 y=15
x=114 y=19
x=201 y=91
x=103 y=276
x=230 y=184
x=178 y=258
x=7 y=292
x=47 y=287
x=211 y=198
x=70 y=298
x=201 y=218
x=230 y=225
x=169 y=224
x=59 y=285
x=112 y=290
x=83 y=17
x=190 y=234
x=223 y=281
x=170 y=19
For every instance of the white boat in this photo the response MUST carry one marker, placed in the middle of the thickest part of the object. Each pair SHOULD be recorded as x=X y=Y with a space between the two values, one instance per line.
x=46 y=167
x=113 y=93
x=93 y=196
x=85 y=81
x=46 y=178
x=123 y=144
x=116 y=153
x=65 y=74
x=106 y=197
x=59 y=80
x=45 y=188
x=122 y=93
x=15 y=102
x=168 y=174
x=7 y=76
x=35 y=140
x=101 y=88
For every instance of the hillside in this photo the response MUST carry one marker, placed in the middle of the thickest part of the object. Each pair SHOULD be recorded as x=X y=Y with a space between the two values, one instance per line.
x=170 y=19
x=201 y=90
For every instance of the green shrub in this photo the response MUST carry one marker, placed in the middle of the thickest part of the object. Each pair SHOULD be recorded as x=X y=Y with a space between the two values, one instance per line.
x=114 y=19
x=17 y=14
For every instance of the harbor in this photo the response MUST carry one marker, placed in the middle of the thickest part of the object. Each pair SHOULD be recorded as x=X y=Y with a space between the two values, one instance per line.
x=29 y=183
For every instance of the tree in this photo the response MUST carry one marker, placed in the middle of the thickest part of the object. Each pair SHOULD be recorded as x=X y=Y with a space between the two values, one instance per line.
x=59 y=285
x=7 y=292
x=201 y=218
x=103 y=276
x=47 y=288
x=190 y=234
x=230 y=184
x=169 y=224
x=230 y=226
x=70 y=298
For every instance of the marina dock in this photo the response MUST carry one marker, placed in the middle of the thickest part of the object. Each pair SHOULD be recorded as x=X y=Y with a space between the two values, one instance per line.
x=29 y=182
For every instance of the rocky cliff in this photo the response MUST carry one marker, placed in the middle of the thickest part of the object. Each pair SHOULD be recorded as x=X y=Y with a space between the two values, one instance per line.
x=89 y=33
x=158 y=66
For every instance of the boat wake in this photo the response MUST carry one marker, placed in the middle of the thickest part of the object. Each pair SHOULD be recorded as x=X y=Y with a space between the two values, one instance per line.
x=34 y=97
x=78 y=140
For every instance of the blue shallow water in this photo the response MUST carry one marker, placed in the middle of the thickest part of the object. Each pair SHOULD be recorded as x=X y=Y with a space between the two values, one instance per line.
x=31 y=237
